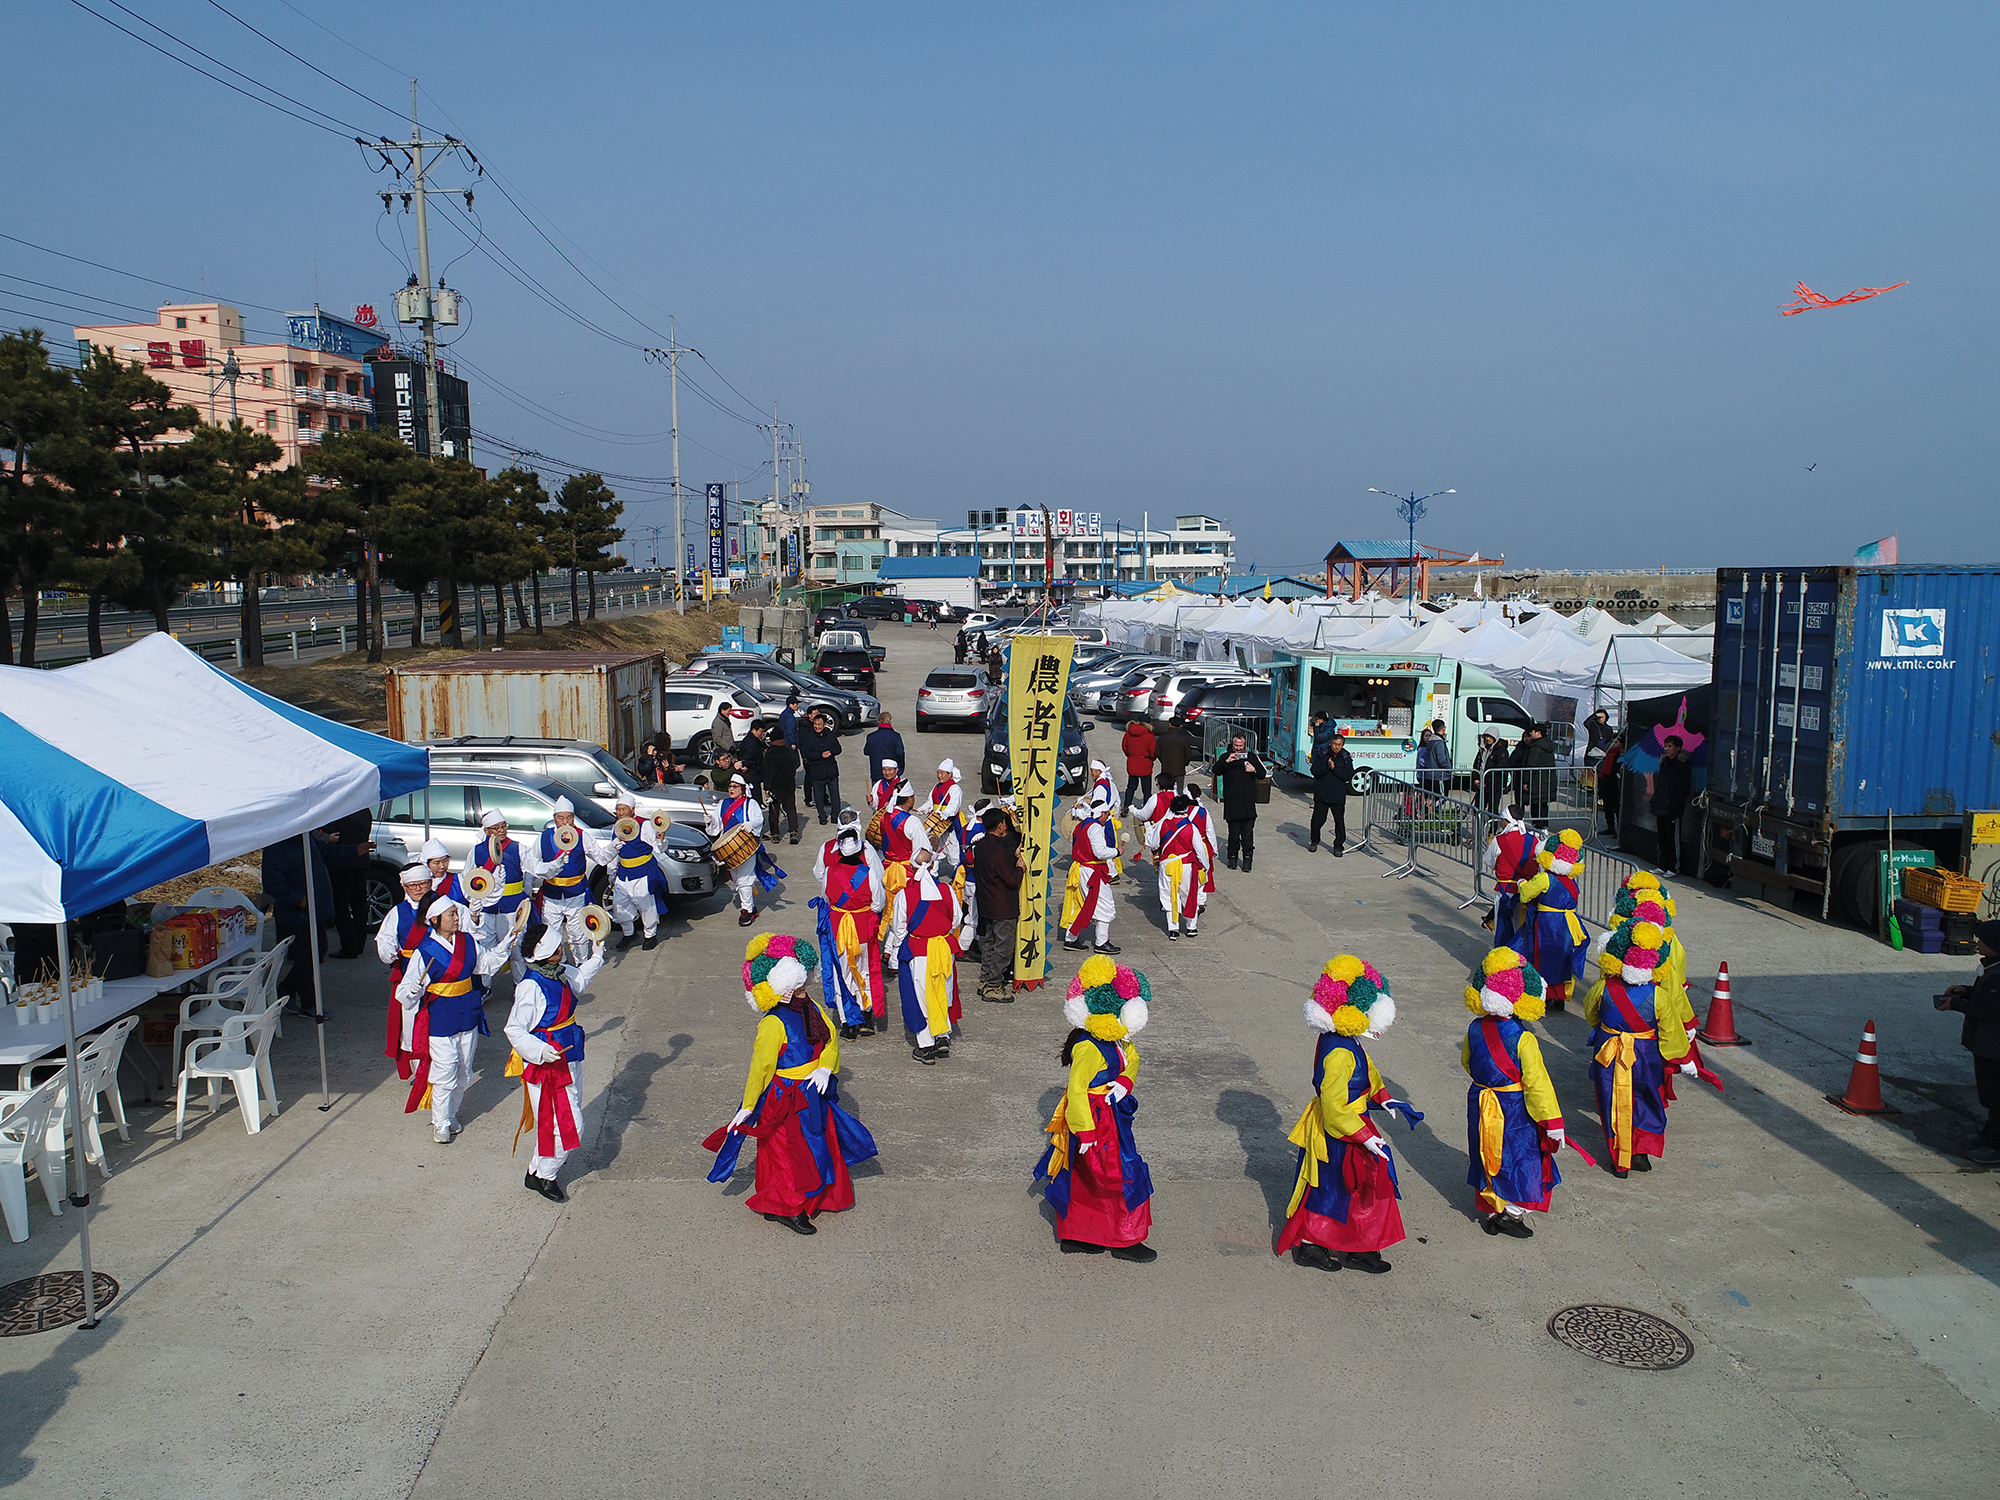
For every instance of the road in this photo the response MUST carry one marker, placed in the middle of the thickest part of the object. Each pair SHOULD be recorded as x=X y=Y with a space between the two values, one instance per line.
x=340 y=1307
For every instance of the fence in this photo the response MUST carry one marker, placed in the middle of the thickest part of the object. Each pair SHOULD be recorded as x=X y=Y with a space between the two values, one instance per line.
x=1413 y=821
x=1539 y=792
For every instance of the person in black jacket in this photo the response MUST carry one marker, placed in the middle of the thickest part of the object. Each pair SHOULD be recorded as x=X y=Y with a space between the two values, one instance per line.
x=750 y=759
x=1238 y=773
x=346 y=853
x=1979 y=1003
x=1333 y=784
x=1534 y=766
x=1672 y=786
x=285 y=883
x=781 y=779
x=819 y=748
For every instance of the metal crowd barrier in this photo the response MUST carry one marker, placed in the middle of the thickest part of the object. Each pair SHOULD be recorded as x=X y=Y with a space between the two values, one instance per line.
x=1569 y=790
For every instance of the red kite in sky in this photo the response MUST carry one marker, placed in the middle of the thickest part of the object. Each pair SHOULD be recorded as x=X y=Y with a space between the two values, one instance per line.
x=1807 y=299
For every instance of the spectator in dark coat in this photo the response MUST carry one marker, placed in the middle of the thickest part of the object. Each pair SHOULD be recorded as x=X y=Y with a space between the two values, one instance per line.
x=346 y=854
x=1492 y=757
x=1534 y=766
x=1979 y=1003
x=788 y=721
x=1610 y=788
x=285 y=883
x=884 y=744
x=1333 y=784
x=1598 y=728
x=750 y=759
x=998 y=864
x=1173 y=746
x=1238 y=773
x=1668 y=792
x=1138 y=746
x=819 y=748
x=781 y=779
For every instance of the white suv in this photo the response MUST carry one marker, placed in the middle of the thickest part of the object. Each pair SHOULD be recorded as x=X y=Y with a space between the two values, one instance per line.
x=690 y=706
x=587 y=772
x=1170 y=688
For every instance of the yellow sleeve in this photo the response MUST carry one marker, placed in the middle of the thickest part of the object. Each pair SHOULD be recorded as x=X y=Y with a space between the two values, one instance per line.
x=764 y=1056
x=1532 y=888
x=1465 y=1054
x=1671 y=1013
x=1339 y=1117
x=1132 y=1061
x=1537 y=1091
x=1086 y=1062
x=1593 y=1002
x=829 y=1055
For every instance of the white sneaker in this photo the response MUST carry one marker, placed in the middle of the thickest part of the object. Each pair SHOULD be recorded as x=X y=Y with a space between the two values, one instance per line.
x=442 y=1135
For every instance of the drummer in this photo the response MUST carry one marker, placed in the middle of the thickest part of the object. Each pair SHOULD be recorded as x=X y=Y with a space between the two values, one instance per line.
x=942 y=823
x=882 y=795
x=638 y=881
x=904 y=842
x=564 y=874
x=738 y=810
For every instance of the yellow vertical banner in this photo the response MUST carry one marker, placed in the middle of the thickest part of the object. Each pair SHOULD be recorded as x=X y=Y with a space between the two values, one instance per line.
x=1037 y=684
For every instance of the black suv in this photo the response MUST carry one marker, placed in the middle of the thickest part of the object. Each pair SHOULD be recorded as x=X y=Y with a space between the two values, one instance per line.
x=846 y=667
x=996 y=767
x=878 y=607
x=1244 y=704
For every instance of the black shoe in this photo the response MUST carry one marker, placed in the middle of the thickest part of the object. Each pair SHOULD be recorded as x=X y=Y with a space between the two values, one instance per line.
x=627 y=941
x=1559 y=1005
x=1313 y=847
x=849 y=1033
x=1232 y=861
x=1076 y=947
x=1314 y=1256
x=942 y=1048
x=1107 y=948
x=1173 y=934
x=866 y=1028
x=928 y=1056
x=1621 y=1171
x=1366 y=1260
x=548 y=1187
x=801 y=1225
x=1080 y=1247
x=1246 y=864
x=795 y=836
x=1641 y=1163
x=1514 y=1225
x=746 y=918
x=1980 y=1154
x=1143 y=1254
x=1339 y=851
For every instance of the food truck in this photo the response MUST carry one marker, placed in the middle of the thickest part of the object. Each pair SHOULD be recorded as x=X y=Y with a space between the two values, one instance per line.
x=1381 y=701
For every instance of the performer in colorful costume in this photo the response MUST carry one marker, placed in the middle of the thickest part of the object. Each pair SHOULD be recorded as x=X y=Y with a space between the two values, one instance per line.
x=500 y=857
x=395 y=941
x=1087 y=896
x=548 y=1054
x=882 y=794
x=1551 y=935
x=1511 y=857
x=903 y=842
x=1513 y=1123
x=443 y=989
x=1205 y=826
x=1633 y=1042
x=850 y=930
x=947 y=801
x=1344 y=1200
x=1181 y=855
x=928 y=919
x=1098 y=1183
x=740 y=809
x=1100 y=781
x=447 y=885
x=563 y=875
x=791 y=1100
x=638 y=881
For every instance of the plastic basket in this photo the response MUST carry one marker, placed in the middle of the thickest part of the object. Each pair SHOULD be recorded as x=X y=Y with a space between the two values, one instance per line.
x=1942 y=889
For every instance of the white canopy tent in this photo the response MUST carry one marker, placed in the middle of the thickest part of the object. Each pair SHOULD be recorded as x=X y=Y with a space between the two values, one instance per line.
x=1602 y=676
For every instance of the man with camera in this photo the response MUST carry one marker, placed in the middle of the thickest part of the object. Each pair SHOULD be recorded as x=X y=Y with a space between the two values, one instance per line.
x=1240 y=775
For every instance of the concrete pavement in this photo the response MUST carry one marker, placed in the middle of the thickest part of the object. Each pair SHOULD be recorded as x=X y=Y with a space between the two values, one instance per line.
x=401 y=1316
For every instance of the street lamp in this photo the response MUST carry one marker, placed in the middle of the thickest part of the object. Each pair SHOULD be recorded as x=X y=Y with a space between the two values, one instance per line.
x=1411 y=508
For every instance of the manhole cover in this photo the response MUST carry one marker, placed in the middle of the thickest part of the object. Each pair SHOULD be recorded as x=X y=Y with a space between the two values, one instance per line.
x=53 y=1301
x=1622 y=1336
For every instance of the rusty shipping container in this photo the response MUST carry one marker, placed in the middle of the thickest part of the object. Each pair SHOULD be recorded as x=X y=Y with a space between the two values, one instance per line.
x=608 y=698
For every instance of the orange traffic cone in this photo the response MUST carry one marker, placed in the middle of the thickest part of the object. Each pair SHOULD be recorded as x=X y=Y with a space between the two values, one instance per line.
x=1720 y=1028
x=1864 y=1084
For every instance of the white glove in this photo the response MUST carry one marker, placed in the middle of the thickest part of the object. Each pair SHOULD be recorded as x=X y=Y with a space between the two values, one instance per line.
x=1556 y=1135
x=740 y=1116
x=1116 y=1092
x=1690 y=1070
x=1084 y=1148
x=818 y=1079
x=1376 y=1144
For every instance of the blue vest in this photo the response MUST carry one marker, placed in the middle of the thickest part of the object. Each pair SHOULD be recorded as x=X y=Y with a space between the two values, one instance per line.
x=566 y=879
x=799 y=1049
x=1358 y=1086
x=508 y=869
x=735 y=810
x=557 y=1002
x=452 y=1014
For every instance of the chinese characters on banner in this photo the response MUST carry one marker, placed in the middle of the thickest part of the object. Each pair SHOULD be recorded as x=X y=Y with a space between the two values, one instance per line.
x=716 y=565
x=1037 y=685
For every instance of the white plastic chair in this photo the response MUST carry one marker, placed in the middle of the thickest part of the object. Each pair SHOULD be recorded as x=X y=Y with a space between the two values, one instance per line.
x=91 y=1065
x=242 y=1054
x=111 y=1042
x=24 y=1137
x=249 y=992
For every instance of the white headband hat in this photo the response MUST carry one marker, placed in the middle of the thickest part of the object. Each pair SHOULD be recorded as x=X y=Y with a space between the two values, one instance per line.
x=738 y=780
x=564 y=805
x=787 y=976
x=948 y=770
x=435 y=849
x=904 y=790
x=418 y=874
x=848 y=837
x=889 y=761
x=494 y=818
x=625 y=802
x=550 y=944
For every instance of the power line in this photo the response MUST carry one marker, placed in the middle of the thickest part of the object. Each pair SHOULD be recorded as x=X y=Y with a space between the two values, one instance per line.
x=135 y=276
x=337 y=83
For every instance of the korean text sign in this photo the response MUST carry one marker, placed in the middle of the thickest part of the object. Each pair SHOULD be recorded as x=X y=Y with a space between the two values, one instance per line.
x=1037 y=685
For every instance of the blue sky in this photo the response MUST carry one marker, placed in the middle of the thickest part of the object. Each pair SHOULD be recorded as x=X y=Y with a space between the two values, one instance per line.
x=1247 y=260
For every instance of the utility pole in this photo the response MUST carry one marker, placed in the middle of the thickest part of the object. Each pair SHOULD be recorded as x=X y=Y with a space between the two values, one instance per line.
x=779 y=528
x=417 y=145
x=671 y=355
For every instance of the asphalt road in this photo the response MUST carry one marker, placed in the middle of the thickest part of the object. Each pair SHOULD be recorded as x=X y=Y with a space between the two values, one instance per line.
x=339 y=1307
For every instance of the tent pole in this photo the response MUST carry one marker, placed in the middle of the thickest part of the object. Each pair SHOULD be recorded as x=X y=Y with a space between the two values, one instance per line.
x=79 y=1194
x=312 y=948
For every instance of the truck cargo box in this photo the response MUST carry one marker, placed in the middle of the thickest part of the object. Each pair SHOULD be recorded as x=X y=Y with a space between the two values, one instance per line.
x=607 y=698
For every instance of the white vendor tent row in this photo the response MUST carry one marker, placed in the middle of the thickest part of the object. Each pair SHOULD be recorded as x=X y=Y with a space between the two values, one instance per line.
x=119 y=773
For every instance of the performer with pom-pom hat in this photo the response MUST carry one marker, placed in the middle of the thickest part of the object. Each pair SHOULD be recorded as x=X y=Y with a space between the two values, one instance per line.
x=791 y=1101
x=1632 y=1043
x=1344 y=1201
x=1551 y=935
x=1510 y=858
x=1513 y=1123
x=1098 y=1182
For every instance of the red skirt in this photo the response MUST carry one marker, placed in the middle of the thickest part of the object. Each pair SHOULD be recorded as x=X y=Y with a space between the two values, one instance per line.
x=1374 y=1219
x=788 y=1180
x=1097 y=1212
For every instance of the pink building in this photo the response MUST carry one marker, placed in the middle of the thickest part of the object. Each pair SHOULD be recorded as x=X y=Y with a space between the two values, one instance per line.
x=296 y=392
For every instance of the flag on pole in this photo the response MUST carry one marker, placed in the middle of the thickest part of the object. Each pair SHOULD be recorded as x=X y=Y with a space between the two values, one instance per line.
x=1267 y=591
x=1877 y=553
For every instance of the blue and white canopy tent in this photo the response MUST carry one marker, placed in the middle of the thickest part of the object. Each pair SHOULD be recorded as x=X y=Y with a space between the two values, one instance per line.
x=148 y=764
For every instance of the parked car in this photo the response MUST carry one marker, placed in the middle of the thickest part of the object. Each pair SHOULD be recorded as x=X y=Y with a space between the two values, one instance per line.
x=450 y=809
x=1172 y=687
x=953 y=695
x=877 y=607
x=996 y=770
x=1247 y=703
x=848 y=668
x=1086 y=635
x=852 y=635
x=583 y=769
x=849 y=709
x=1086 y=689
x=690 y=707
x=828 y=617
x=977 y=619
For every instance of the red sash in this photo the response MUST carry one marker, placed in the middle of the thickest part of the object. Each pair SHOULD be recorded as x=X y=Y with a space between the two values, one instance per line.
x=420 y=1033
x=1503 y=1061
x=1082 y=852
x=1614 y=991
